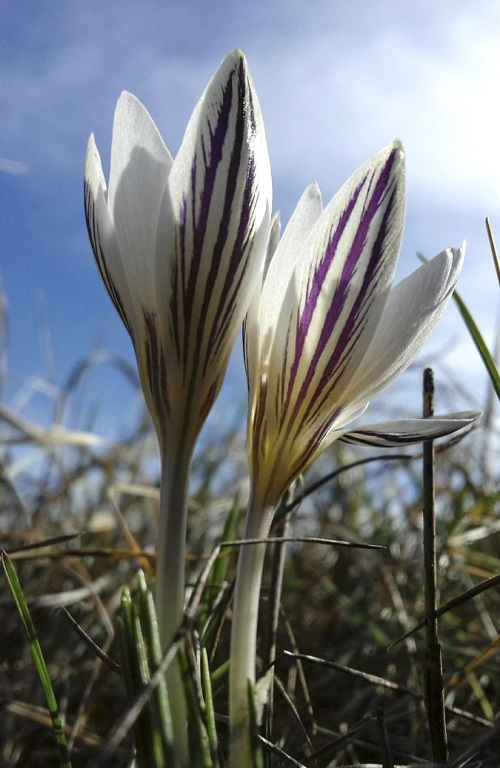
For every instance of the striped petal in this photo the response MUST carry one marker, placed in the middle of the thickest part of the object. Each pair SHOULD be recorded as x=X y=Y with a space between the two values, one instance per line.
x=390 y=434
x=220 y=191
x=339 y=289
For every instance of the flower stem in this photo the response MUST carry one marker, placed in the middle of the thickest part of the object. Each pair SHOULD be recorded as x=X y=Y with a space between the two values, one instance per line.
x=170 y=581
x=244 y=635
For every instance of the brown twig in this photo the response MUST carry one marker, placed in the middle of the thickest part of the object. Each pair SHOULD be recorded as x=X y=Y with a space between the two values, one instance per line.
x=434 y=697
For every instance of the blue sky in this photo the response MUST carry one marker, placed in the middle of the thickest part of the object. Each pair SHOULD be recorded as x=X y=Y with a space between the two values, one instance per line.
x=337 y=80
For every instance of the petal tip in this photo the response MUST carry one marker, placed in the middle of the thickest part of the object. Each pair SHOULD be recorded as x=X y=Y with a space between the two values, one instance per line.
x=238 y=55
x=93 y=166
x=314 y=192
x=398 y=145
x=91 y=144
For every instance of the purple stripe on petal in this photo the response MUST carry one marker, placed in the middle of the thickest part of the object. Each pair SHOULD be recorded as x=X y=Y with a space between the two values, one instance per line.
x=177 y=283
x=359 y=438
x=236 y=264
x=193 y=222
x=100 y=258
x=314 y=290
x=156 y=366
x=383 y=195
x=411 y=431
x=205 y=406
x=364 y=297
x=215 y=203
x=202 y=198
x=288 y=463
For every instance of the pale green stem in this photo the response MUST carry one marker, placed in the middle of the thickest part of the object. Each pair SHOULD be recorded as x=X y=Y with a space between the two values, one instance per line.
x=170 y=580
x=244 y=634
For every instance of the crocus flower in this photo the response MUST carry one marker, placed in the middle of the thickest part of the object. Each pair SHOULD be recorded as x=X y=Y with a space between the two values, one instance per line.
x=180 y=245
x=328 y=331
x=325 y=333
x=179 y=242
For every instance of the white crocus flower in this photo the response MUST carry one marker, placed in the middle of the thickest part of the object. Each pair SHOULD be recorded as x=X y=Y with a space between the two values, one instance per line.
x=325 y=333
x=180 y=245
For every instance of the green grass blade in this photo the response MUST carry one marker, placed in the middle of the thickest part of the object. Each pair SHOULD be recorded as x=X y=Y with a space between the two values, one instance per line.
x=209 y=707
x=229 y=533
x=480 y=343
x=36 y=650
x=150 y=628
x=147 y=735
x=221 y=565
x=216 y=596
x=200 y=752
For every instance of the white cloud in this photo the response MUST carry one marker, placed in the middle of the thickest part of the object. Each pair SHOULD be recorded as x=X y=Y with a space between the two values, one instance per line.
x=337 y=81
x=429 y=78
x=13 y=167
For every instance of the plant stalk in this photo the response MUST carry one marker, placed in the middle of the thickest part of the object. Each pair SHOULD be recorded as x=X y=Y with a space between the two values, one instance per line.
x=170 y=580
x=244 y=635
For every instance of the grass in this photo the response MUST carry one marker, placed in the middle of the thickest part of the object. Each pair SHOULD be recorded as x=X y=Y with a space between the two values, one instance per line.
x=78 y=519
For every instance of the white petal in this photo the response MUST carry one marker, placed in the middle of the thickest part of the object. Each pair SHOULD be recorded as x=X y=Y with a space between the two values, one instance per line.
x=140 y=166
x=133 y=129
x=103 y=239
x=251 y=324
x=274 y=239
x=290 y=250
x=414 y=307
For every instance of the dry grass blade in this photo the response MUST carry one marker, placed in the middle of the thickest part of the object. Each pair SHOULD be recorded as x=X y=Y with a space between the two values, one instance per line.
x=301 y=676
x=337 y=602
x=334 y=746
x=88 y=640
x=483 y=753
x=285 y=760
x=313 y=487
x=37 y=545
x=494 y=252
x=73 y=596
x=463 y=597
x=368 y=677
x=39 y=715
x=295 y=713
x=476 y=663
x=300 y=539
x=54 y=436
